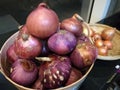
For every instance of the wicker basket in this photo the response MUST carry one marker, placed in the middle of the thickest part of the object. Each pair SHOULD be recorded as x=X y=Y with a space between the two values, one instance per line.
x=113 y=54
x=5 y=66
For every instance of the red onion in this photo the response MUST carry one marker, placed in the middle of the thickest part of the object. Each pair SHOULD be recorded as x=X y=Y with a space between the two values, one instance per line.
x=23 y=72
x=73 y=25
x=27 y=46
x=42 y=22
x=83 y=55
x=22 y=30
x=82 y=39
x=11 y=54
x=56 y=72
x=74 y=76
x=62 y=42
x=38 y=85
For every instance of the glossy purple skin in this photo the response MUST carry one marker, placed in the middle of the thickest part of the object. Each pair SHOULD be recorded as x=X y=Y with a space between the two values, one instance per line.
x=55 y=73
x=11 y=55
x=28 y=48
x=23 y=76
x=62 y=42
x=84 y=55
x=73 y=25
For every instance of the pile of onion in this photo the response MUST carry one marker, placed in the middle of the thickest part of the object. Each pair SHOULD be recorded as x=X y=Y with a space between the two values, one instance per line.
x=48 y=54
x=103 y=41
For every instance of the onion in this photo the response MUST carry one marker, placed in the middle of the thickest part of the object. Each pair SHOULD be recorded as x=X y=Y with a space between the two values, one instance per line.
x=108 y=44
x=96 y=36
x=83 y=55
x=23 y=72
x=42 y=22
x=103 y=51
x=11 y=54
x=45 y=49
x=38 y=85
x=62 y=42
x=73 y=25
x=56 y=72
x=108 y=33
x=82 y=39
x=74 y=76
x=22 y=30
x=27 y=46
x=98 y=43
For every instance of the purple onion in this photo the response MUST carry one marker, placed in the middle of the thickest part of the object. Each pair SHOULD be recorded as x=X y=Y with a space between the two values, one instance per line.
x=23 y=72
x=62 y=42
x=11 y=54
x=83 y=55
x=56 y=72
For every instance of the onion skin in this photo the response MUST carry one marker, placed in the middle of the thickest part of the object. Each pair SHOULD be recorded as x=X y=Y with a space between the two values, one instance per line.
x=27 y=46
x=23 y=72
x=11 y=54
x=62 y=42
x=103 y=51
x=72 y=25
x=56 y=72
x=83 y=55
x=42 y=22
x=38 y=85
x=108 y=44
x=96 y=36
x=82 y=39
x=108 y=34
x=74 y=76
x=99 y=43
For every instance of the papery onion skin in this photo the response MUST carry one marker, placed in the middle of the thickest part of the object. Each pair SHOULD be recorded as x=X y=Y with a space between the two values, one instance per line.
x=23 y=72
x=72 y=25
x=62 y=42
x=96 y=36
x=74 y=76
x=42 y=22
x=108 y=34
x=38 y=85
x=103 y=51
x=11 y=54
x=108 y=44
x=84 y=55
x=28 y=46
x=83 y=38
x=99 y=43
x=56 y=72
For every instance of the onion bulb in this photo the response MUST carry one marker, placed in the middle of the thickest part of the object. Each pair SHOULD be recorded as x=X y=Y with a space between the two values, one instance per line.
x=56 y=72
x=42 y=22
x=23 y=72
x=108 y=33
x=62 y=42
x=27 y=46
x=103 y=51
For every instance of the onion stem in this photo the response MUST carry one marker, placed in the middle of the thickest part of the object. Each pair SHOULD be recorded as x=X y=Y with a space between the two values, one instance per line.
x=43 y=58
